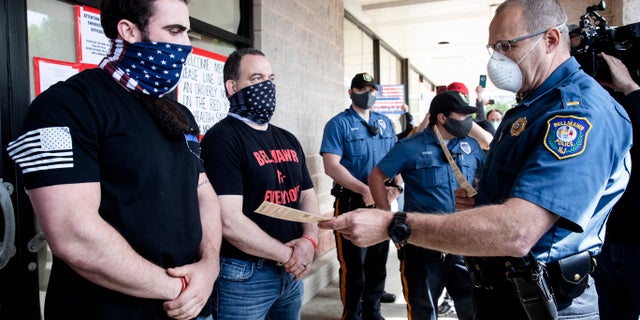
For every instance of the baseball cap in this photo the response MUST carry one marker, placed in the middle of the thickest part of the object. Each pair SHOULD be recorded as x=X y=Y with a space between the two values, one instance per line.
x=458 y=86
x=451 y=101
x=362 y=80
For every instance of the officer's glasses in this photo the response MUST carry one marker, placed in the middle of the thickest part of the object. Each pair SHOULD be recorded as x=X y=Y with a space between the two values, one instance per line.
x=504 y=46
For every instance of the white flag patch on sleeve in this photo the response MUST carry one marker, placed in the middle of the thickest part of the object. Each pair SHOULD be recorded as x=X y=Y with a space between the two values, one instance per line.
x=42 y=149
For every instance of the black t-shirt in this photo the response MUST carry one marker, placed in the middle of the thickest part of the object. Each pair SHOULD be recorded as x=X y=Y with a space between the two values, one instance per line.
x=148 y=185
x=261 y=166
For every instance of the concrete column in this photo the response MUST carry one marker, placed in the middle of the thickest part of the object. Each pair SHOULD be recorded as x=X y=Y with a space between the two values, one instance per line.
x=630 y=11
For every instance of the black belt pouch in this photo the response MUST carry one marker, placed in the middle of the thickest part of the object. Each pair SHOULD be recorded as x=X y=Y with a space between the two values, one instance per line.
x=570 y=275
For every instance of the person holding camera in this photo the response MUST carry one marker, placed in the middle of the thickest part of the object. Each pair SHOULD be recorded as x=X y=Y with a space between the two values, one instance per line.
x=353 y=143
x=558 y=164
x=617 y=282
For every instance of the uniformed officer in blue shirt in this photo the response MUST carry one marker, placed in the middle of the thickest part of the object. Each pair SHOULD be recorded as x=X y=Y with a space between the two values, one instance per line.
x=353 y=142
x=430 y=183
x=559 y=162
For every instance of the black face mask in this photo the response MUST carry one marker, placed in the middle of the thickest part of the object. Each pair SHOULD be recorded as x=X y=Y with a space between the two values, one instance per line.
x=363 y=100
x=458 y=128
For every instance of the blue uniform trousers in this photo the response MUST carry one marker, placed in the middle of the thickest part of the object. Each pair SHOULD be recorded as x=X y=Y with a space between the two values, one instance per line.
x=362 y=271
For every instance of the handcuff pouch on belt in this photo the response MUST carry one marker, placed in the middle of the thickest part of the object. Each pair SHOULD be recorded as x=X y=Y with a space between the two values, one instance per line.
x=570 y=275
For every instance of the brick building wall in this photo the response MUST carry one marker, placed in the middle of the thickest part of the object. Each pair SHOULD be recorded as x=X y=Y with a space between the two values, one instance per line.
x=304 y=43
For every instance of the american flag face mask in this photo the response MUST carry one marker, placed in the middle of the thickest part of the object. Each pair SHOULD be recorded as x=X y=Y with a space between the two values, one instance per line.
x=256 y=102
x=152 y=68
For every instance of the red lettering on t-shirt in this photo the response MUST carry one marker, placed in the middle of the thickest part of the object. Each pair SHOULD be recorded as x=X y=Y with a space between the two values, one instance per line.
x=282 y=197
x=258 y=158
x=275 y=156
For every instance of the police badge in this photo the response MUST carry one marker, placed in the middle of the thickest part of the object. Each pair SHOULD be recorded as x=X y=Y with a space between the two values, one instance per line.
x=518 y=126
x=567 y=136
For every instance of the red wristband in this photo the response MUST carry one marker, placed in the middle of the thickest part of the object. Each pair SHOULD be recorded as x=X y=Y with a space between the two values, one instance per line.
x=313 y=243
x=184 y=284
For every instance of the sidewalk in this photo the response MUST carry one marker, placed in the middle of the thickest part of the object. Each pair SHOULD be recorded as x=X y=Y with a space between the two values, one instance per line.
x=326 y=304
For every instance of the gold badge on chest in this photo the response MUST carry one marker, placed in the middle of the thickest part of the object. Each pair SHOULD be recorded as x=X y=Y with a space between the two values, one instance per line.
x=518 y=126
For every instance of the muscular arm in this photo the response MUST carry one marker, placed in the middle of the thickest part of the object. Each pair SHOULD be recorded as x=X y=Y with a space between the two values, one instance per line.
x=309 y=203
x=201 y=275
x=481 y=135
x=211 y=223
x=509 y=229
x=246 y=235
x=343 y=177
x=78 y=235
x=378 y=189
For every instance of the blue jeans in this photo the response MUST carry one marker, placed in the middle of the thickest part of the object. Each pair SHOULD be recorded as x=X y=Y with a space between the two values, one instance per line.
x=617 y=280
x=255 y=289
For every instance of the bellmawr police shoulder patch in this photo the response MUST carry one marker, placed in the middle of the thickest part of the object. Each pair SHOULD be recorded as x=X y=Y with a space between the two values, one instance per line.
x=567 y=136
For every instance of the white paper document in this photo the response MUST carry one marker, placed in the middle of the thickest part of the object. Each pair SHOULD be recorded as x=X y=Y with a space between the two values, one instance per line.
x=285 y=213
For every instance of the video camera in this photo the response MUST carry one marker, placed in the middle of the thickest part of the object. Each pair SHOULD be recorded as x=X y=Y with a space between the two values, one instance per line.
x=593 y=36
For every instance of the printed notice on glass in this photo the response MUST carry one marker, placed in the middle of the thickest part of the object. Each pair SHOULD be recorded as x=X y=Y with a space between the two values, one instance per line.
x=285 y=213
x=201 y=88
x=92 y=45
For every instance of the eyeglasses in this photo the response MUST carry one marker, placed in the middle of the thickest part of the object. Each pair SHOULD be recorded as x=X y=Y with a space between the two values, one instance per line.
x=504 y=46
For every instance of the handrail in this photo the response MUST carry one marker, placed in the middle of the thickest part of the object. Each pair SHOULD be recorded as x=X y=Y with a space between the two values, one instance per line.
x=7 y=247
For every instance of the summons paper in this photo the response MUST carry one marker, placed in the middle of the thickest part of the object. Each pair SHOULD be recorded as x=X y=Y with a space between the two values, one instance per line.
x=285 y=213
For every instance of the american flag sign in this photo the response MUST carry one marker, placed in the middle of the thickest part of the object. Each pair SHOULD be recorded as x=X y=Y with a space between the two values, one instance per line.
x=389 y=99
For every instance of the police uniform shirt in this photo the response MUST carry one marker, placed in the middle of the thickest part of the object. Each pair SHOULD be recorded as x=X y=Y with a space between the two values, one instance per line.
x=564 y=148
x=347 y=136
x=429 y=179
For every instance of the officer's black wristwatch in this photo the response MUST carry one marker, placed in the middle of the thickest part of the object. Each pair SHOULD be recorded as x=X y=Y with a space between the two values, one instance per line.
x=399 y=231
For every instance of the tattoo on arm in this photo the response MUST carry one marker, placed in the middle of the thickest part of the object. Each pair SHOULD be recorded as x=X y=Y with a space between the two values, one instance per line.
x=202 y=182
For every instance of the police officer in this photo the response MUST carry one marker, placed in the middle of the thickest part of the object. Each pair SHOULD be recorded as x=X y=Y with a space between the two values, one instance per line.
x=429 y=187
x=353 y=142
x=558 y=163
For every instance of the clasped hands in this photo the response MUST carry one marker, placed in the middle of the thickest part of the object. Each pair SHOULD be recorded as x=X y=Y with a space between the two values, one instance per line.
x=299 y=264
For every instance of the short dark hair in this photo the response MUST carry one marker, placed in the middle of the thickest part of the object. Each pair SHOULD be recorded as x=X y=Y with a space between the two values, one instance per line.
x=137 y=11
x=494 y=110
x=433 y=118
x=231 y=68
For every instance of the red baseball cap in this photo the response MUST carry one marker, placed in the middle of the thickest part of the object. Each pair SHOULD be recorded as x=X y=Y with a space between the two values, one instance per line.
x=460 y=87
